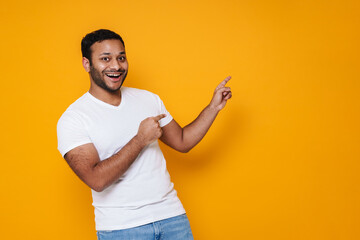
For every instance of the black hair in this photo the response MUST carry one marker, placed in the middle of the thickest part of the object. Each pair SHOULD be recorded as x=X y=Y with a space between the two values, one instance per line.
x=97 y=36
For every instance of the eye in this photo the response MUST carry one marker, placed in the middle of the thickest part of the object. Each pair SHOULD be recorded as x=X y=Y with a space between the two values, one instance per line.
x=105 y=59
x=122 y=58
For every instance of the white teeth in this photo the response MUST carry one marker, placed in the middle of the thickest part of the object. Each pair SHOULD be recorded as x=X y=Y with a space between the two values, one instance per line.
x=113 y=75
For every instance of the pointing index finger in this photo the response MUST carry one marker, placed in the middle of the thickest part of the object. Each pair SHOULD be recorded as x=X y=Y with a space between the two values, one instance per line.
x=223 y=83
x=158 y=117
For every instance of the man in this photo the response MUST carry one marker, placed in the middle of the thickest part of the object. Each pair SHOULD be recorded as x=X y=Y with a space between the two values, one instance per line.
x=109 y=139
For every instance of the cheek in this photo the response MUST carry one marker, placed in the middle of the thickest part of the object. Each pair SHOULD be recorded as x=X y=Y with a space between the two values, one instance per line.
x=95 y=72
x=99 y=66
x=125 y=65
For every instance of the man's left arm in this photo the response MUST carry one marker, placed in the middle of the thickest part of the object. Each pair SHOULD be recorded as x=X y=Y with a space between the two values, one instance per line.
x=184 y=139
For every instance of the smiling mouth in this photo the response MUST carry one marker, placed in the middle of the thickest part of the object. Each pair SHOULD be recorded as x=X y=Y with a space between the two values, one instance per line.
x=113 y=75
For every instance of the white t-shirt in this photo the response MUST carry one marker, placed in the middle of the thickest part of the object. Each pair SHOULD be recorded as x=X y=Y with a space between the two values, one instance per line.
x=144 y=193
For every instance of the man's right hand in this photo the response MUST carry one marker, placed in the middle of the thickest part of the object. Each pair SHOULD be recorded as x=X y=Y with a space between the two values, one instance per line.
x=85 y=162
x=150 y=130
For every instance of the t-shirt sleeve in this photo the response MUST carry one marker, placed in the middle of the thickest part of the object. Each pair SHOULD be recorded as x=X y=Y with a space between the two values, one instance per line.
x=166 y=120
x=71 y=132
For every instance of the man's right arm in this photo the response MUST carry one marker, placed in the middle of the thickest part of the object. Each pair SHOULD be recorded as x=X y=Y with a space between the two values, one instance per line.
x=85 y=162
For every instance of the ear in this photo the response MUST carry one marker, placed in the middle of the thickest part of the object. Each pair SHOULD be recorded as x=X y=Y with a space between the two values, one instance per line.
x=86 y=64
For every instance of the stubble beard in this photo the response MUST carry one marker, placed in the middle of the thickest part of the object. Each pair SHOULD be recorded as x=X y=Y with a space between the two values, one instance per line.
x=98 y=79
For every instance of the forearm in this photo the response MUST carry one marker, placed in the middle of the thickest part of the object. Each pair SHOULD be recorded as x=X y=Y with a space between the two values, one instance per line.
x=106 y=172
x=196 y=130
x=184 y=139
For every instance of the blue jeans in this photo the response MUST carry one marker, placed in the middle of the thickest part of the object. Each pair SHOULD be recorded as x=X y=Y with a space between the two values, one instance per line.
x=175 y=228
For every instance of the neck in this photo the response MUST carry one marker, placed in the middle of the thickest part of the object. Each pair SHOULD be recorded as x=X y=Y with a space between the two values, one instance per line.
x=113 y=98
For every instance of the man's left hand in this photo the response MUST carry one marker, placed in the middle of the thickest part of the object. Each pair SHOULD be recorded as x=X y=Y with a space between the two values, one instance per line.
x=221 y=95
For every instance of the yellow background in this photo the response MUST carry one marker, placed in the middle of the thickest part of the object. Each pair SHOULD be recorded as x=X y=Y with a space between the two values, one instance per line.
x=281 y=160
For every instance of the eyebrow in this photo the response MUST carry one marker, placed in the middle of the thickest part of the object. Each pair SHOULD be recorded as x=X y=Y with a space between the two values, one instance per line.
x=106 y=53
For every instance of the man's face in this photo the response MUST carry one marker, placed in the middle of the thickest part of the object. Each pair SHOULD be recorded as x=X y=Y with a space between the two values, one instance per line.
x=109 y=65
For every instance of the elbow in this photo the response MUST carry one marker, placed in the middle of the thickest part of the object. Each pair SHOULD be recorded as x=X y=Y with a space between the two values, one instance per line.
x=97 y=181
x=98 y=189
x=184 y=149
x=97 y=186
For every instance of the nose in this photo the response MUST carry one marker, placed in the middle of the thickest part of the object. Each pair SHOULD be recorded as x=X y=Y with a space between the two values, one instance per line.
x=114 y=64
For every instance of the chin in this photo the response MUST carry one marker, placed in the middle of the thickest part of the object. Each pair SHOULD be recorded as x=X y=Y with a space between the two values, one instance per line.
x=114 y=89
